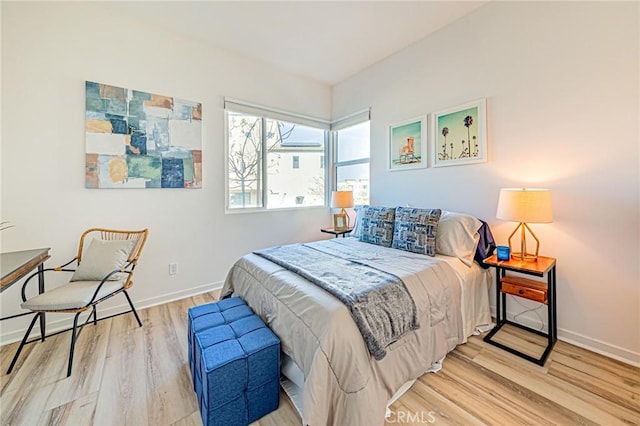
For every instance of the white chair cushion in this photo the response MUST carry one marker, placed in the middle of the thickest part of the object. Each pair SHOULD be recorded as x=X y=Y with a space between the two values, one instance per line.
x=72 y=295
x=102 y=257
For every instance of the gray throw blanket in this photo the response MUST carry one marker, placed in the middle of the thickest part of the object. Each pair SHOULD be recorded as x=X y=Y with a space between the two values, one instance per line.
x=379 y=302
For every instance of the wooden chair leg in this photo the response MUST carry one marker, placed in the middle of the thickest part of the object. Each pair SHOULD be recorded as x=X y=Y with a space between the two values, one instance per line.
x=132 y=308
x=24 y=340
x=74 y=336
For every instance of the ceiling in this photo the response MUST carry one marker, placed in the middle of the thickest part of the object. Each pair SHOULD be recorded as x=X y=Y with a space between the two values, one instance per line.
x=327 y=41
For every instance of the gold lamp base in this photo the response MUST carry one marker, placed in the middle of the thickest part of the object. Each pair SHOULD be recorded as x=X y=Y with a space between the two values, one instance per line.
x=344 y=212
x=523 y=254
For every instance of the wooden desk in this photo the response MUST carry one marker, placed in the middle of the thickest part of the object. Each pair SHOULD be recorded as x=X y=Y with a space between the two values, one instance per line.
x=19 y=264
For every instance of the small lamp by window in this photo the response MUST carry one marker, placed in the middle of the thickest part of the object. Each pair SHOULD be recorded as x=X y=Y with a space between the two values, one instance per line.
x=341 y=200
x=525 y=205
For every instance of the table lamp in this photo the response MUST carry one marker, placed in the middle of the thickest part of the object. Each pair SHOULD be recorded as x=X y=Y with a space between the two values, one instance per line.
x=341 y=200
x=525 y=205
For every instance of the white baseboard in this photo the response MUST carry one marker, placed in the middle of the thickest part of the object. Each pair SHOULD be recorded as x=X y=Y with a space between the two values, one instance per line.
x=61 y=324
x=600 y=347
x=580 y=340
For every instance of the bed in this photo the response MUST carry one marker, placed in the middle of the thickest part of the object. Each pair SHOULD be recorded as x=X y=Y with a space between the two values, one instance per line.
x=325 y=354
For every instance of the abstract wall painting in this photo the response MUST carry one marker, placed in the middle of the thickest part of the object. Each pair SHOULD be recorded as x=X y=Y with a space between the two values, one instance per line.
x=459 y=135
x=407 y=145
x=141 y=140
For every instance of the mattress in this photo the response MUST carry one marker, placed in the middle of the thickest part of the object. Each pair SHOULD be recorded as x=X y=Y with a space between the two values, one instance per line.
x=342 y=383
x=475 y=283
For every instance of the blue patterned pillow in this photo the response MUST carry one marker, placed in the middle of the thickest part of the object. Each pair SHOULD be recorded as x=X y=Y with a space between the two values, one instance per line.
x=415 y=230
x=376 y=225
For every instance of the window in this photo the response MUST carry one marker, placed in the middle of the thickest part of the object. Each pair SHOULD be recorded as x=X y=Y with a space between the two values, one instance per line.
x=299 y=147
x=244 y=160
x=352 y=148
x=273 y=163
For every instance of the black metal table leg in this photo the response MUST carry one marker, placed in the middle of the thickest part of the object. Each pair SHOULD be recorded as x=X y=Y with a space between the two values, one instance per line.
x=43 y=322
x=555 y=305
x=503 y=272
x=498 y=297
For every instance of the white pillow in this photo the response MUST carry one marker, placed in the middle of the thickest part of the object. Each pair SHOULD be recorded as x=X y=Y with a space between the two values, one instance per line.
x=102 y=257
x=458 y=236
x=357 y=226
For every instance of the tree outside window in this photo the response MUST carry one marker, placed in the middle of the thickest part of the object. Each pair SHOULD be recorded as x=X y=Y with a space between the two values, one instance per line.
x=263 y=154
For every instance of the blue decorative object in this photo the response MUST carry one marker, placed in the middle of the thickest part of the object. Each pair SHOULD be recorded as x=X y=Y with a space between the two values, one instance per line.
x=235 y=363
x=503 y=253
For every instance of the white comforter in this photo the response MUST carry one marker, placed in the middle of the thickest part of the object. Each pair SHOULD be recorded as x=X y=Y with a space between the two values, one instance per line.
x=343 y=383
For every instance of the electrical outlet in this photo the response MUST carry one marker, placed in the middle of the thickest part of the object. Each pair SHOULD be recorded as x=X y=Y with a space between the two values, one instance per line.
x=173 y=268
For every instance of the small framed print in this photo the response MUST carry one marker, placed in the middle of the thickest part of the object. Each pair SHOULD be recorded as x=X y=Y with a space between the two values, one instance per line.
x=407 y=143
x=340 y=221
x=459 y=135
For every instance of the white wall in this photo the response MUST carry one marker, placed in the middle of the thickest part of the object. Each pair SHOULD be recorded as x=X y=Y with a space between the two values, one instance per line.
x=48 y=51
x=561 y=82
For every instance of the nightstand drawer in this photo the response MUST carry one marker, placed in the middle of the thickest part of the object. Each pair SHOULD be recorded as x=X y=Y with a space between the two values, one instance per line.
x=524 y=287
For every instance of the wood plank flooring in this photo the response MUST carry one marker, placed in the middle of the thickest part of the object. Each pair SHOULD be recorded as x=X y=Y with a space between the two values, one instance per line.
x=129 y=375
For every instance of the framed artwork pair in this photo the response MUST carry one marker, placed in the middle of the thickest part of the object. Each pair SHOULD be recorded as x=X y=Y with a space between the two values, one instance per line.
x=457 y=136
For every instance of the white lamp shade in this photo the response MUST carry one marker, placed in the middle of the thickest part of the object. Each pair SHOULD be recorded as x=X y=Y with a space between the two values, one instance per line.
x=528 y=205
x=342 y=199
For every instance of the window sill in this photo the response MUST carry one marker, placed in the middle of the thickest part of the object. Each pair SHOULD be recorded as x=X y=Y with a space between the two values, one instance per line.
x=266 y=210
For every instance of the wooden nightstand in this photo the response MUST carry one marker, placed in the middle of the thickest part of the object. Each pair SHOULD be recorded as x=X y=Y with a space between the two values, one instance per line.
x=336 y=233
x=535 y=290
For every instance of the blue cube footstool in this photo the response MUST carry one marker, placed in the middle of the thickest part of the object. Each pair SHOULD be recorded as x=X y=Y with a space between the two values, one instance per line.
x=235 y=363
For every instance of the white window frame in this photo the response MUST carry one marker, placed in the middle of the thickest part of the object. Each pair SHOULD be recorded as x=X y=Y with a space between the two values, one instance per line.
x=243 y=107
x=340 y=124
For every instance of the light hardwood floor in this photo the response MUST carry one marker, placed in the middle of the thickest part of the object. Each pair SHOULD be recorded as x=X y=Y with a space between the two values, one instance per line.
x=127 y=375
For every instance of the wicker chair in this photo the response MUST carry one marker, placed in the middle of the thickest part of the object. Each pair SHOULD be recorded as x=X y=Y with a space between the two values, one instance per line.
x=104 y=269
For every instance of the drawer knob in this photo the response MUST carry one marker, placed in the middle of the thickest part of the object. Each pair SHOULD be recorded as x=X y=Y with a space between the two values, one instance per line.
x=521 y=291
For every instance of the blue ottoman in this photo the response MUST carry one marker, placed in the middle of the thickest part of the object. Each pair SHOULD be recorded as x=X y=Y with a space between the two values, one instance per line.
x=235 y=363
